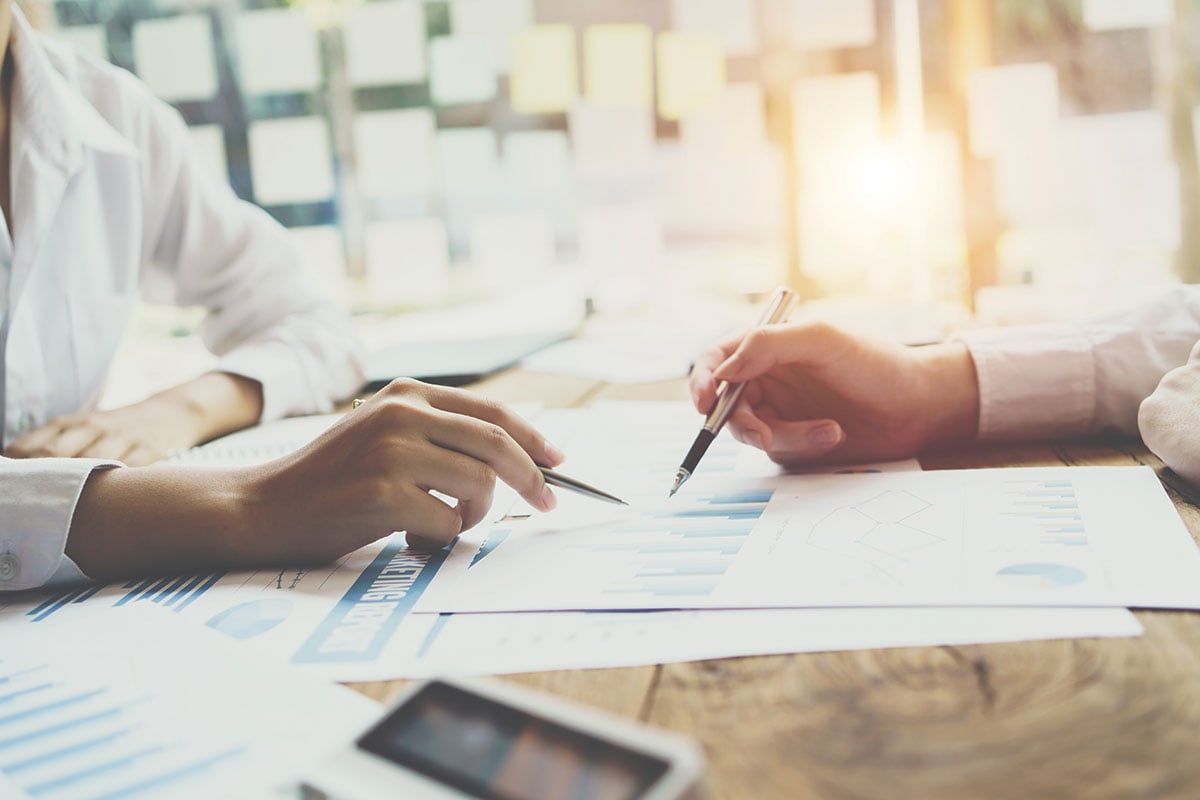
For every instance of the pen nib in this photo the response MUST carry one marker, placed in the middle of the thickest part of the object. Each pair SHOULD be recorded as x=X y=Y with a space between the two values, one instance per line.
x=680 y=478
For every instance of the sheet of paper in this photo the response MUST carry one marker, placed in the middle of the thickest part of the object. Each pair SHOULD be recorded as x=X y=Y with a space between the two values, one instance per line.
x=395 y=155
x=512 y=248
x=818 y=25
x=618 y=64
x=323 y=257
x=733 y=22
x=290 y=160
x=1057 y=536
x=498 y=19
x=691 y=73
x=545 y=77
x=1111 y=15
x=114 y=707
x=408 y=261
x=385 y=42
x=277 y=51
x=462 y=69
x=174 y=56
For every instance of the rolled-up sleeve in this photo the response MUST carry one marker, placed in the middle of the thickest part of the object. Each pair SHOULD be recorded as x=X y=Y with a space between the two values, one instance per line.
x=37 y=502
x=1071 y=379
x=266 y=319
x=1169 y=419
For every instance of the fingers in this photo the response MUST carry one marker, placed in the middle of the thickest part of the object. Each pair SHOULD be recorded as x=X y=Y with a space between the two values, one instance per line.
x=468 y=404
x=431 y=524
x=109 y=447
x=747 y=428
x=471 y=482
x=492 y=445
x=809 y=344
x=35 y=444
x=701 y=383
x=799 y=442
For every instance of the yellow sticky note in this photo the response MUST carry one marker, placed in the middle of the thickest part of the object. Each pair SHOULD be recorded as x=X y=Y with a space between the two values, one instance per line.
x=545 y=78
x=617 y=64
x=691 y=73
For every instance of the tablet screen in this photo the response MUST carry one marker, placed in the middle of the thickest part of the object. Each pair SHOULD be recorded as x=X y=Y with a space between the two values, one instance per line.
x=497 y=752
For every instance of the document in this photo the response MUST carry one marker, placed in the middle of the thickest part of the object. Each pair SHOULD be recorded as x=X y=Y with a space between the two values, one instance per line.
x=137 y=706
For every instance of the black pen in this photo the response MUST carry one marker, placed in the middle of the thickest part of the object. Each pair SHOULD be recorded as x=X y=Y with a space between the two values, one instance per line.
x=728 y=394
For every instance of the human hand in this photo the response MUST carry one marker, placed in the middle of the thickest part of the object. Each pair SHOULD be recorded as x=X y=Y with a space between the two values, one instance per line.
x=373 y=471
x=818 y=393
x=137 y=435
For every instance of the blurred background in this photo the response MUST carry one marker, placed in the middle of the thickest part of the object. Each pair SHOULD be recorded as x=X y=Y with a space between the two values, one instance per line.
x=912 y=165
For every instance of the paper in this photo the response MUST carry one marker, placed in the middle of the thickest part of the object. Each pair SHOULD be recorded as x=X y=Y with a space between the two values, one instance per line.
x=277 y=51
x=537 y=163
x=469 y=163
x=394 y=151
x=512 y=248
x=290 y=161
x=820 y=25
x=612 y=143
x=544 y=73
x=1012 y=108
x=500 y=20
x=1042 y=536
x=323 y=257
x=617 y=65
x=462 y=70
x=735 y=126
x=138 y=706
x=174 y=56
x=385 y=42
x=733 y=22
x=691 y=73
x=408 y=261
x=836 y=113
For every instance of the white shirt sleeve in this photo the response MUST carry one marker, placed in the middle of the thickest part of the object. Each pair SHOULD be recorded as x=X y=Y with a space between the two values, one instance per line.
x=1169 y=419
x=1069 y=379
x=265 y=318
x=37 y=500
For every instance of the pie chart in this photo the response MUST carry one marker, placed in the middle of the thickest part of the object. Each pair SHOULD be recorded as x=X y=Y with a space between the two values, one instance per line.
x=247 y=620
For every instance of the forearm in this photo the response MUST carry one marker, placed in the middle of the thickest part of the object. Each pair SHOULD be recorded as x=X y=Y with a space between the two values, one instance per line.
x=950 y=385
x=160 y=520
x=206 y=407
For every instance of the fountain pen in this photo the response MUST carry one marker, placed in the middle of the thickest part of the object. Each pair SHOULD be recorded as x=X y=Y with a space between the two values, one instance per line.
x=728 y=394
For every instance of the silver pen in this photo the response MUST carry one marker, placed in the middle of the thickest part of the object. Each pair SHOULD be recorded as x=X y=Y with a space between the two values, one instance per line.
x=579 y=487
x=778 y=307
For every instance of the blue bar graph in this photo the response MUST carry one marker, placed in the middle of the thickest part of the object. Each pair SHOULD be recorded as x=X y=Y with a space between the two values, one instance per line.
x=1049 y=511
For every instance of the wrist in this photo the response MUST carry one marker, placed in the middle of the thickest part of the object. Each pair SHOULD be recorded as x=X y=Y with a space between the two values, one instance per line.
x=950 y=388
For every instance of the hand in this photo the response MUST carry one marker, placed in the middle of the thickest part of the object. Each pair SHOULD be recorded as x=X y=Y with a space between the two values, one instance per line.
x=818 y=393
x=137 y=435
x=373 y=471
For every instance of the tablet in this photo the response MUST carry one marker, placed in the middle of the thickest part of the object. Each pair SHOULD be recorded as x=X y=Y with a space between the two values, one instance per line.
x=492 y=741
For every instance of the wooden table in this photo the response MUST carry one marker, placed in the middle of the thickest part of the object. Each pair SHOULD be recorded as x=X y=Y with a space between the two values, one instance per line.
x=1057 y=719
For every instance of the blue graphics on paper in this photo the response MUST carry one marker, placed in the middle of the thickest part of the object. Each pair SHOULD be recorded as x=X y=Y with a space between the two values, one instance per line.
x=492 y=541
x=252 y=618
x=1042 y=576
x=363 y=621
x=175 y=593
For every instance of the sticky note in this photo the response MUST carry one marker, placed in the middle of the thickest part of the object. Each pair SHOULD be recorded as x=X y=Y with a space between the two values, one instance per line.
x=394 y=152
x=508 y=249
x=88 y=39
x=835 y=113
x=691 y=73
x=1111 y=15
x=618 y=64
x=544 y=73
x=537 y=162
x=1012 y=107
x=290 y=161
x=462 y=69
x=736 y=123
x=408 y=261
x=468 y=161
x=733 y=22
x=499 y=20
x=611 y=142
x=620 y=249
x=822 y=25
x=208 y=151
x=277 y=51
x=385 y=42
x=323 y=259
x=174 y=56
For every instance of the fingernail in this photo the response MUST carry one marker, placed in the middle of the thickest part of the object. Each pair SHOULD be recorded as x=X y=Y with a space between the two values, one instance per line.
x=420 y=542
x=825 y=435
x=549 y=501
x=553 y=454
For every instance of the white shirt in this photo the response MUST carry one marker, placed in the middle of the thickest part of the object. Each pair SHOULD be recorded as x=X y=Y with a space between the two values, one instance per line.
x=108 y=203
x=1072 y=379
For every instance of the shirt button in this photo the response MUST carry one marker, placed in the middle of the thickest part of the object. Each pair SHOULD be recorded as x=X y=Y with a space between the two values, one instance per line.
x=10 y=567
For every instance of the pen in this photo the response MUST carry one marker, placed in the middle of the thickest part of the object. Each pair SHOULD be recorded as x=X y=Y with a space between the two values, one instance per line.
x=777 y=310
x=571 y=484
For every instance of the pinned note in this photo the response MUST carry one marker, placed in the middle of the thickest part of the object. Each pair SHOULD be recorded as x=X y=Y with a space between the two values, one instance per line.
x=821 y=25
x=733 y=22
x=618 y=65
x=510 y=249
x=462 y=70
x=385 y=42
x=408 y=261
x=544 y=74
x=1012 y=107
x=499 y=20
x=277 y=51
x=290 y=161
x=691 y=73
x=612 y=143
x=1111 y=15
x=395 y=152
x=174 y=56
x=323 y=258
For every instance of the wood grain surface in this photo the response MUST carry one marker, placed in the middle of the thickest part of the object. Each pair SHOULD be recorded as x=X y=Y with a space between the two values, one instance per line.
x=1086 y=718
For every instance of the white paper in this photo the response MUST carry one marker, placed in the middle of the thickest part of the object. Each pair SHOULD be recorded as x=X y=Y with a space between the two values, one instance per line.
x=612 y=143
x=1110 y=15
x=136 y=705
x=385 y=42
x=500 y=20
x=174 y=56
x=1058 y=536
x=733 y=22
x=512 y=248
x=1012 y=108
x=462 y=70
x=545 y=77
x=394 y=152
x=277 y=51
x=290 y=161
x=820 y=25
x=323 y=257
x=691 y=73
x=469 y=163
x=618 y=63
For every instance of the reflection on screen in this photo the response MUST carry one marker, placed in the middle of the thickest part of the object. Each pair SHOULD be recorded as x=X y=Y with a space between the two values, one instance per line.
x=499 y=753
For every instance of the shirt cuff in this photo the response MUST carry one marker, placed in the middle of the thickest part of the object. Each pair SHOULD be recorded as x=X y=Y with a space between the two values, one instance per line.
x=277 y=368
x=1035 y=381
x=37 y=503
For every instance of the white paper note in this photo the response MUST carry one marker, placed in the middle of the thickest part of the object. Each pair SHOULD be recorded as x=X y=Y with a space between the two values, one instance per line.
x=733 y=22
x=395 y=152
x=174 y=56
x=408 y=261
x=820 y=25
x=290 y=160
x=462 y=70
x=545 y=77
x=385 y=42
x=618 y=64
x=277 y=51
